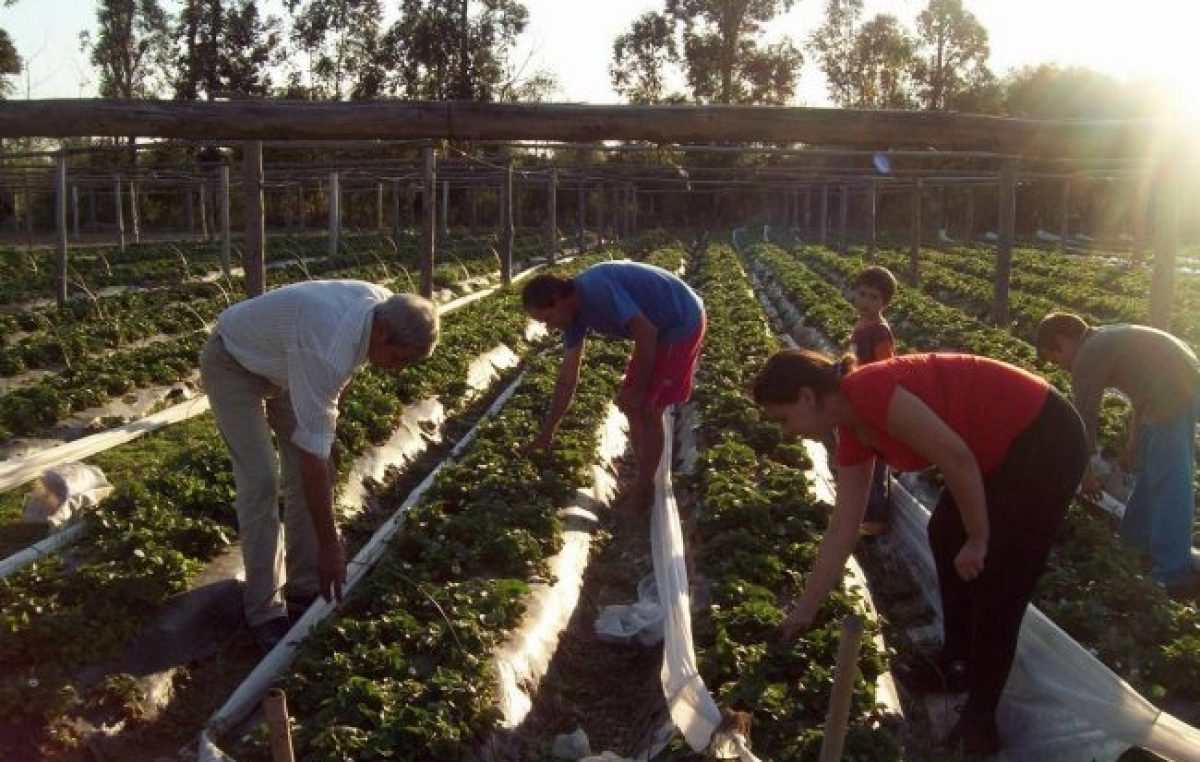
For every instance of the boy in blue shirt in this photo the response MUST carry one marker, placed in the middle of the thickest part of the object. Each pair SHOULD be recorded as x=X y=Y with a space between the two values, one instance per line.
x=627 y=300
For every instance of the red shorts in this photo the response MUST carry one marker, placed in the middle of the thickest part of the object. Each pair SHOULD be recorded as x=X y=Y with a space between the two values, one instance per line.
x=673 y=371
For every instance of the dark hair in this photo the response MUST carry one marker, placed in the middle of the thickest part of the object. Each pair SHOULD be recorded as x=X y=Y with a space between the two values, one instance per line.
x=544 y=290
x=790 y=370
x=1055 y=326
x=878 y=278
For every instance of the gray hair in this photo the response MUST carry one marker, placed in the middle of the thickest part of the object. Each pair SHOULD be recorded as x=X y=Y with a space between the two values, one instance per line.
x=411 y=321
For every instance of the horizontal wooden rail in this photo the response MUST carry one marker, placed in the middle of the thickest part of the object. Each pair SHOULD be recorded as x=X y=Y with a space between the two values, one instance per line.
x=393 y=120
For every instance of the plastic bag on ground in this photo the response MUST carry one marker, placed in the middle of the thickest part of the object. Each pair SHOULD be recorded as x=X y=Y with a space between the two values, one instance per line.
x=641 y=621
x=63 y=492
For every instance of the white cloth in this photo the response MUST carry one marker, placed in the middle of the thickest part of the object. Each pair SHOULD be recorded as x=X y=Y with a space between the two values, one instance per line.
x=307 y=338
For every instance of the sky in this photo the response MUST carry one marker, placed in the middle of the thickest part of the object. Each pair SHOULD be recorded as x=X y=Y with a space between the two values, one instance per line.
x=573 y=38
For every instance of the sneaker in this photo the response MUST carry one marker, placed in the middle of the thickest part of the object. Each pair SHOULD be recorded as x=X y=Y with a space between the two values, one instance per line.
x=974 y=735
x=270 y=633
x=927 y=676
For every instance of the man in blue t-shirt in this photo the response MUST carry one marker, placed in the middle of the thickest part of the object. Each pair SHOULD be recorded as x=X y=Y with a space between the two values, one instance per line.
x=626 y=300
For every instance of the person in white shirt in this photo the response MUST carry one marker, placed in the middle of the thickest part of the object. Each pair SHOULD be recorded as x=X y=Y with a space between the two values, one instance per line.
x=279 y=362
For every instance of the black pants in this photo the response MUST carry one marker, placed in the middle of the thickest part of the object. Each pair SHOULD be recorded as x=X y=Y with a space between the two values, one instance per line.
x=1027 y=498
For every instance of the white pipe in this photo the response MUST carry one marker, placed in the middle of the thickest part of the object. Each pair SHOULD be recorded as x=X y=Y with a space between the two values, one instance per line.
x=37 y=551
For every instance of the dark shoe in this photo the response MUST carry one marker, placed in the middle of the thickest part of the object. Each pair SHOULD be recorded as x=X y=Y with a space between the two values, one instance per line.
x=270 y=633
x=298 y=604
x=1187 y=591
x=974 y=735
x=926 y=676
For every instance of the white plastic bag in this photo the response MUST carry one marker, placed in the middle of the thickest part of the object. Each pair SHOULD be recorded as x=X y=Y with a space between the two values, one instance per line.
x=63 y=492
x=641 y=621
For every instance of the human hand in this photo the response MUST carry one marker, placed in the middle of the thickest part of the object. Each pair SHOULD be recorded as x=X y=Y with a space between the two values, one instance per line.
x=969 y=561
x=795 y=624
x=331 y=569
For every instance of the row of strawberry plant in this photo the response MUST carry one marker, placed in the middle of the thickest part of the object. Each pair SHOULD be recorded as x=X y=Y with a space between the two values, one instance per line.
x=758 y=528
x=1094 y=588
x=404 y=671
x=158 y=529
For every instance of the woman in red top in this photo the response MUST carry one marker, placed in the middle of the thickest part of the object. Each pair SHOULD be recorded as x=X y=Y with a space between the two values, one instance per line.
x=1011 y=450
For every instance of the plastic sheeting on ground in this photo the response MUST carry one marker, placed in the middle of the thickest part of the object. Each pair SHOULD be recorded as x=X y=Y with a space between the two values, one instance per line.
x=525 y=655
x=1061 y=703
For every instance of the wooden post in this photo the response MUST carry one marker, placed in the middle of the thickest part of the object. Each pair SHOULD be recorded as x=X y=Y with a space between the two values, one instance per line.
x=601 y=218
x=445 y=208
x=428 y=218
x=226 y=242
x=823 y=224
x=581 y=215
x=872 y=202
x=254 y=260
x=473 y=193
x=278 y=728
x=552 y=217
x=807 y=234
x=134 y=217
x=844 y=675
x=1141 y=208
x=204 y=227
x=969 y=227
x=60 y=224
x=914 y=251
x=941 y=212
x=379 y=206
x=506 y=226
x=189 y=210
x=91 y=208
x=1008 y=217
x=299 y=218
x=1064 y=216
x=843 y=213
x=335 y=214
x=119 y=213
x=633 y=208
x=1165 y=194
x=795 y=221
x=396 y=211
x=75 y=209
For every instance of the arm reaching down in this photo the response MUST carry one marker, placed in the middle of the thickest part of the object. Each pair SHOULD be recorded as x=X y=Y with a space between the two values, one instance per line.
x=564 y=390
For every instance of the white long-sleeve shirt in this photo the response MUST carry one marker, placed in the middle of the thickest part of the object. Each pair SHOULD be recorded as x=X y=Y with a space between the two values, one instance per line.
x=308 y=338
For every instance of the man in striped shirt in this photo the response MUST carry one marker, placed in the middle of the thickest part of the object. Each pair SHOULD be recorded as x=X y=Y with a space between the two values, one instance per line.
x=278 y=363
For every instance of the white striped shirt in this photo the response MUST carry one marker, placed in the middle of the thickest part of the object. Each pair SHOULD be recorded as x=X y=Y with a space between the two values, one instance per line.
x=308 y=338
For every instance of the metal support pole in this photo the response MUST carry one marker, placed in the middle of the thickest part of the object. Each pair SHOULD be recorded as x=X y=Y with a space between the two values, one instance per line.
x=254 y=259
x=1008 y=217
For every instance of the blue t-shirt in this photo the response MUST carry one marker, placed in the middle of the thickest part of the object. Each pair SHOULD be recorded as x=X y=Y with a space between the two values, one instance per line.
x=612 y=293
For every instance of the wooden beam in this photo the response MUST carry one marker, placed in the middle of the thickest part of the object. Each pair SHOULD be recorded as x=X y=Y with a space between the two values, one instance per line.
x=1008 y=217
x=254 y=258
x=463 y=120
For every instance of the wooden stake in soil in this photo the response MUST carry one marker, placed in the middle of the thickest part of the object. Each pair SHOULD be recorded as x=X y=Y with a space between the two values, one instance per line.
x=843 y=690
x=279 y=730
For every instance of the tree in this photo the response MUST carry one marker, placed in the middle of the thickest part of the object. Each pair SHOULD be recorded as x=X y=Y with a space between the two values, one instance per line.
x=641 y=57
x=342 y=41
x=130 y=47
x=224 y=48
x=10 y=63
x=951 y=56
x=881 y=62
x=1047 y=91
x=834 y=43
x=456 y=49
x=717 y=44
